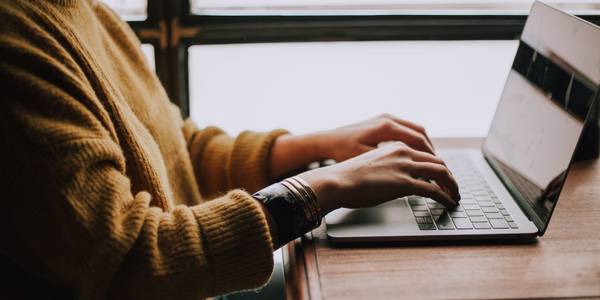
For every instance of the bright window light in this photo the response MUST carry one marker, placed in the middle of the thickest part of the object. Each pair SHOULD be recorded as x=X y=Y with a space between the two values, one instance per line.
x=129 y=10
x=148 y=51
x=451 y=87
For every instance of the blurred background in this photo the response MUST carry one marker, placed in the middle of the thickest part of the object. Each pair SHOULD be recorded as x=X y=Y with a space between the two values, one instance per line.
x=307 y=65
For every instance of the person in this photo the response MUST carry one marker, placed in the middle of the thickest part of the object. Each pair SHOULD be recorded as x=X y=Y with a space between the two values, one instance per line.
x=108 y=193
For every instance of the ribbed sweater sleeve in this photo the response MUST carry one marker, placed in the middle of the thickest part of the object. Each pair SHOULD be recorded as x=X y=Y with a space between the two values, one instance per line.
x=71 y=212
x=221 y=162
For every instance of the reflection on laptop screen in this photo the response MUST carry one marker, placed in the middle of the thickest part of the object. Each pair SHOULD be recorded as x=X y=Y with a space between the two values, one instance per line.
x=538 y=123
x=536 y=128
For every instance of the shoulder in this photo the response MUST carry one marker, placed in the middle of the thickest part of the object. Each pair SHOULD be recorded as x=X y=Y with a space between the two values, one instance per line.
x=26 y=26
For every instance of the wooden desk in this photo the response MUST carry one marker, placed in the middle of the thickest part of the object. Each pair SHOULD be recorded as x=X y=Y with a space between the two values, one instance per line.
x=564 y=263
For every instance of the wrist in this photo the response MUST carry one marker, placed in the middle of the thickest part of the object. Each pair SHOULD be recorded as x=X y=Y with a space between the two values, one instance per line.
x=290 y=208
x=320 y=142
x=291 y=152
x=314 y=145
x=325 y=187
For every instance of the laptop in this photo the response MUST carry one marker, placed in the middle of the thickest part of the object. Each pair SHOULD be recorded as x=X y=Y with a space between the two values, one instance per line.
x=510 y=186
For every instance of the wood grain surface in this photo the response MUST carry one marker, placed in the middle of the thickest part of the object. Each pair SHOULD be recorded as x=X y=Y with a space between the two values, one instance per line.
x=564 y=263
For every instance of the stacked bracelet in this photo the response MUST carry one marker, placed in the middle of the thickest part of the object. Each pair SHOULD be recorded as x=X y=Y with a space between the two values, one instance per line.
x=293 y=206
x=305 y=194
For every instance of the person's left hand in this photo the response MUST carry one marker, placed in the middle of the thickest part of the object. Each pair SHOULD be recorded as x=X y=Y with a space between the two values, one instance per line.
x=349 y=141
x=294 y=151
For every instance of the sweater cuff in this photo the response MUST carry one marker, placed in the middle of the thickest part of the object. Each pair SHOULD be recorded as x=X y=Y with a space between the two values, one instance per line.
x=250 y=159
x=237 y=240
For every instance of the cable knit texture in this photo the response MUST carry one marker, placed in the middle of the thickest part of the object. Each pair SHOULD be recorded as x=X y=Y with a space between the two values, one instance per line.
x=103 y=182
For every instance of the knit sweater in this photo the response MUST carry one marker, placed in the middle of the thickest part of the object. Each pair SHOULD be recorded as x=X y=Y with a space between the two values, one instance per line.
x=105 y=187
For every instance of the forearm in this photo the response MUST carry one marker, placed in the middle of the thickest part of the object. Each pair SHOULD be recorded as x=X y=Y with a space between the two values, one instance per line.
x=292 y=152
x=222 y=162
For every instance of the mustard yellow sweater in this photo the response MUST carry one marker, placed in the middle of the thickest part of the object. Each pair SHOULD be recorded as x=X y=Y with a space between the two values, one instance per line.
x=103 y=184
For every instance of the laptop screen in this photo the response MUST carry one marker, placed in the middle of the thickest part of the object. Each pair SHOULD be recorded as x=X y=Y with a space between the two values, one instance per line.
x=542 y=113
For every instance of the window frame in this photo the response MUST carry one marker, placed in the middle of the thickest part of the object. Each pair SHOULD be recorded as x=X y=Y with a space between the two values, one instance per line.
x=172 y=28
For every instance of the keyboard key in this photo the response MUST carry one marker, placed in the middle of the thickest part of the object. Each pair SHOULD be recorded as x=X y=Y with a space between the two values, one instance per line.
x=499 y=224
x=424 y=220
x=500 y=206
x=489 y=209
x=462 y=223
x=435 y=205
x=470 y=206
x=467 y=201
x=474 y=212
x=485 y=225
x=487 y=204
x=513 y=225
x=509 y=219
x=457 y=214
x=437 y=211
x=419 y=208
x=485 y=198
x=415 y=200
x=421 y=213
x=494 y=216
x=444 y=223
x=478 y=219
x=427 y=226
x=504 y=212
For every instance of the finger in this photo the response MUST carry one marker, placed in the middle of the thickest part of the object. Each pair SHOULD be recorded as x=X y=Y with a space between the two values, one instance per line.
x=418 y=128
x=424 y=135
x=386 y=143
x=421 y=156
x=409 y=136
x=430 y=190
x=436 y=172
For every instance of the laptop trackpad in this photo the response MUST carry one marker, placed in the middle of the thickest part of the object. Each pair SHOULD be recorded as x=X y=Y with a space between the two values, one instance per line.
x=392 y=216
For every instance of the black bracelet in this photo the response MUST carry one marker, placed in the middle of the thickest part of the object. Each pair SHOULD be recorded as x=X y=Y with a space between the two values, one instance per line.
x=290 y=210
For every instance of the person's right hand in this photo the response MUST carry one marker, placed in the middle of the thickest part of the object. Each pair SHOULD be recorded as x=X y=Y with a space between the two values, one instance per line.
x=386 y=173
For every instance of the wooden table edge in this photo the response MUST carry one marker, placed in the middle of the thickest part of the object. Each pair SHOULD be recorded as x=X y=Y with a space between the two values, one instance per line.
x=301 y=269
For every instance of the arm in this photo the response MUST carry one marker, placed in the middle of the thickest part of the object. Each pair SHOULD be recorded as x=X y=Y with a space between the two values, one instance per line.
x=72 y=215
x=293 y=152
x=221 y=162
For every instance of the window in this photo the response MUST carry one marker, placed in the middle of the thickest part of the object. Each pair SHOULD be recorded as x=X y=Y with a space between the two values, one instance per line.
x=338 y=61
x=129 y=10
x=441 y=63
x=381 y=7
x=451 y=87
x=148 y=51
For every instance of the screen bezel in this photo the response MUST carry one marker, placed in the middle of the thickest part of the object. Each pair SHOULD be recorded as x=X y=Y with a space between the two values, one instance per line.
x=513 y=190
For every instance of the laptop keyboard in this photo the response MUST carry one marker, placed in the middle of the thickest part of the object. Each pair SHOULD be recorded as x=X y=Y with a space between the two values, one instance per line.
x=479 y=207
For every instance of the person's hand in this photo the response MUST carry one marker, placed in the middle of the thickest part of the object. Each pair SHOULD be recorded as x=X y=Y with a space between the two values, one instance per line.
x=386 y=173
x=290 y=152
x=349 y=141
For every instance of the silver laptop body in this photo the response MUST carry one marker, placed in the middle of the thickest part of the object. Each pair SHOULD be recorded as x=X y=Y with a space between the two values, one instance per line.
x=511 y=185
